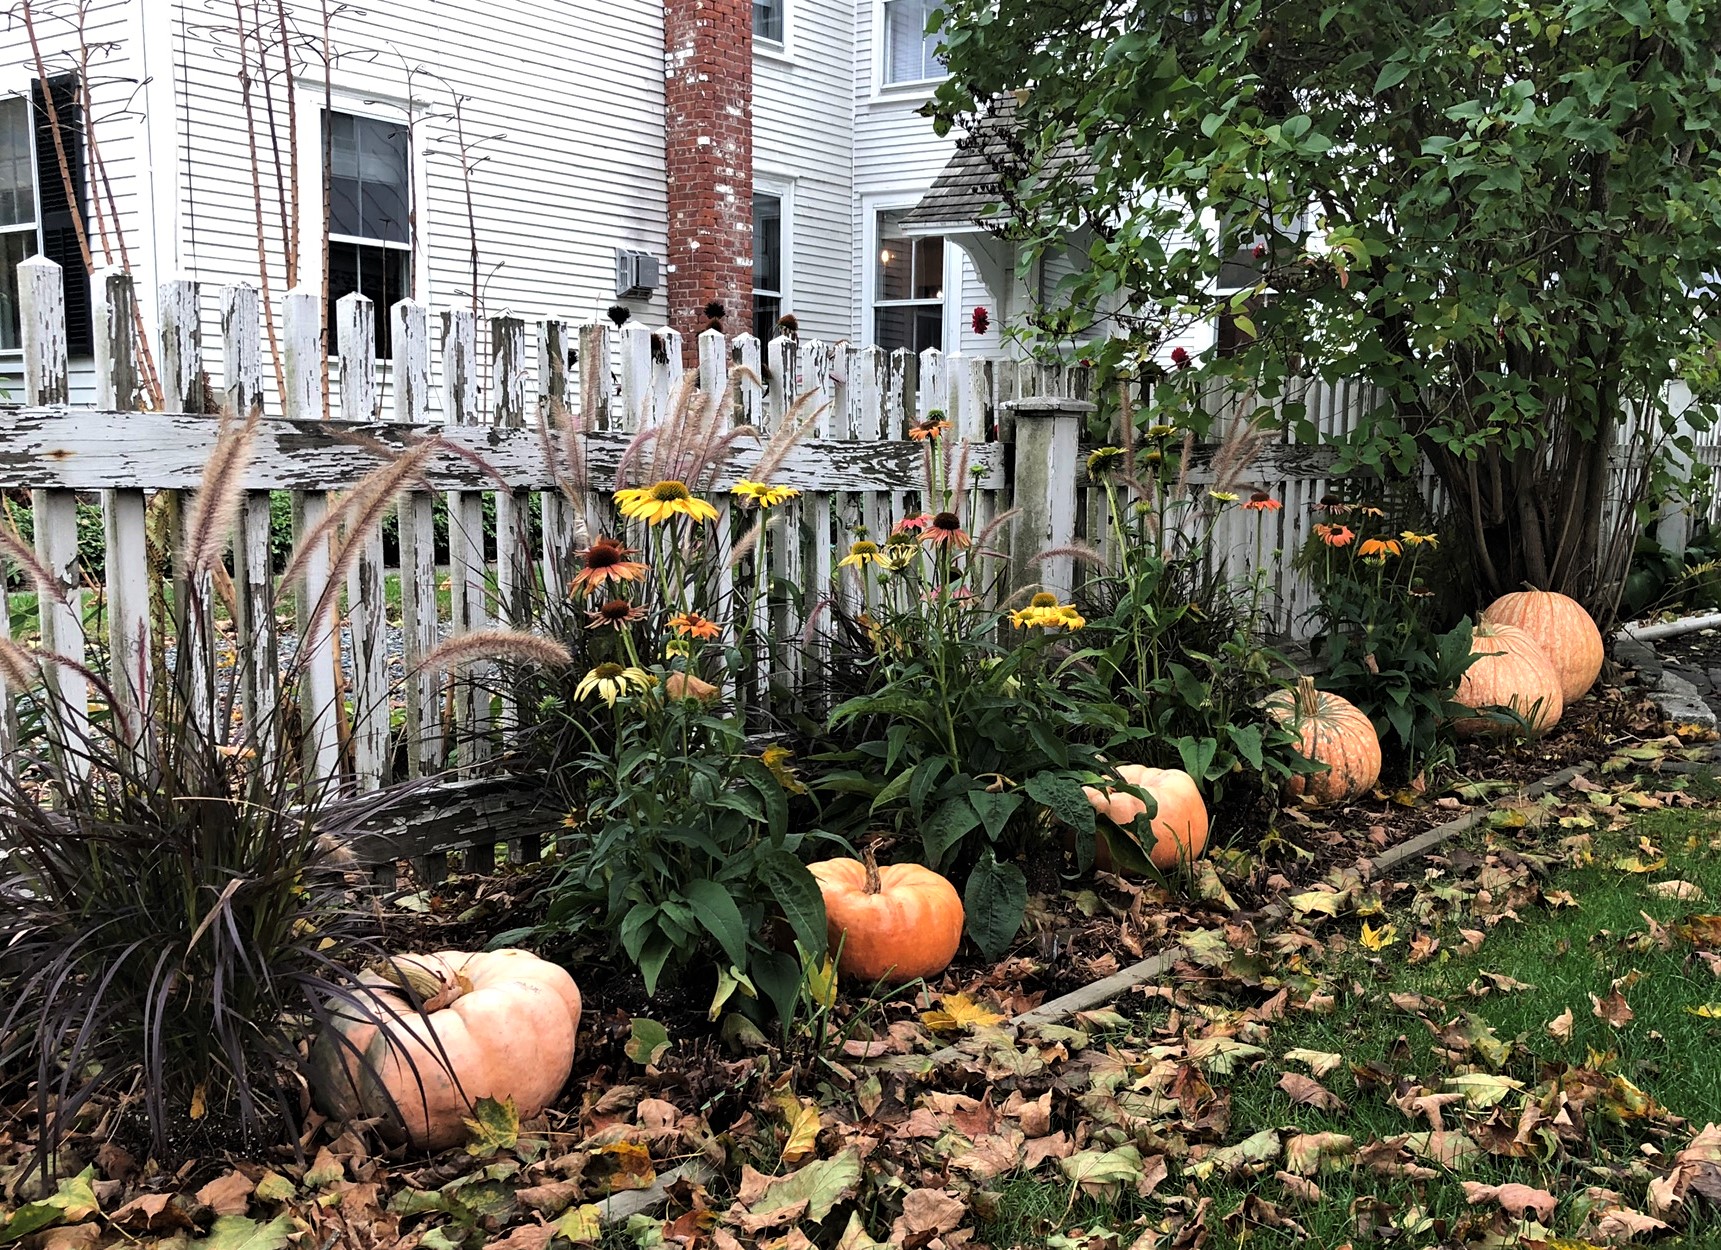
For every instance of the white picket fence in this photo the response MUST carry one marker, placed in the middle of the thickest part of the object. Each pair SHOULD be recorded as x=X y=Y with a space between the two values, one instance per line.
x=1022 y=424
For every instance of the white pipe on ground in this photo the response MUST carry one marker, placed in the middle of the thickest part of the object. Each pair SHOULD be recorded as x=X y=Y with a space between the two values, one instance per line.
x=1671 y=629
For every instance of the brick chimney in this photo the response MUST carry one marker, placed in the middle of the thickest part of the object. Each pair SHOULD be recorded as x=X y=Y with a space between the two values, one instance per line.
x=708 y=100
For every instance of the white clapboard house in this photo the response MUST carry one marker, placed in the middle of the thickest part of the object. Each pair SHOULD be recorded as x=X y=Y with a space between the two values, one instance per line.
x=546 y=158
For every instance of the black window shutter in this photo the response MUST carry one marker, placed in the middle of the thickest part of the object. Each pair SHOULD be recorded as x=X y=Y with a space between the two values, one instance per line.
x=59 y=231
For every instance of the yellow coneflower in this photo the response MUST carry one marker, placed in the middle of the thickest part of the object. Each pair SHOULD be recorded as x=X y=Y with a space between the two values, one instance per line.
x=1045 y=612
x=861 y=554
x=615 y=614
x=662 y=501
x=762 y=495
x=1222 y=496
x=604 y=561
x=1159 y=432
x=1370 y=511
x=1413 y=539
x=677 y=649
x=611 y=682
x=693 y=625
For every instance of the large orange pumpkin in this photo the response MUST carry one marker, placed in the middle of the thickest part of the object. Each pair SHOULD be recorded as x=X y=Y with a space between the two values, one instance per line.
x=901 y=921
x=1335 y=732
x=1509 y=670
x=1180 y=822
x=496 y=1024
x=1565 y=632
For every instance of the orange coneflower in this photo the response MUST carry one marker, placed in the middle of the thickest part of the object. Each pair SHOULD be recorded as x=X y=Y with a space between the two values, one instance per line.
x=924 y=430
x=1382 y=547
x=1335 y=535
x=614 y=614
x=603 y=561
x=946 y=529
x=1369 y=511
x=693 y=625
x=661 y=501
x=1261 y=501
x=1332 y=505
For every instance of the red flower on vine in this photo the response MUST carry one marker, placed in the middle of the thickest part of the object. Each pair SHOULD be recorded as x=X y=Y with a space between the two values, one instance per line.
x=982 y=319
x=1181 y=358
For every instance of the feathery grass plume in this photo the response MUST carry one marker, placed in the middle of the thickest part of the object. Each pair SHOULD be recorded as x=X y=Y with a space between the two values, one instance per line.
x=513 y=645
x=1079 y=552
x=24 y=556
x=803 y=414
x=1236 y=452
x=357 y=515
x=1186 y=449
x=984 y=536
x=19 y=669
x=216 y=505
x=685 y=431
x=635 y=451
x=744 y=546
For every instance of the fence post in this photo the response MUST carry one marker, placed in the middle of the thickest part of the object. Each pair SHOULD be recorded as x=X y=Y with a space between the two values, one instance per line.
x=42 y=313
x=1048 y=437
x=410 y=333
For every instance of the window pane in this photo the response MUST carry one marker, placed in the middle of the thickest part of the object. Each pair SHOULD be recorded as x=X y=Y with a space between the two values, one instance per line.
x=766 y=310
x=15 y=246
x=768 y=20
x=895 y=259
x=17 y=179
x=909 y=52
x=914 y=326
x=370 y=192
x=383 y=273
x=929 y=268
x=767 y=243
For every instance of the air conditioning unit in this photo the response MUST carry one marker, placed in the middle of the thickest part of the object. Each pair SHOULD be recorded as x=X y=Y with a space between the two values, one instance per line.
x=635 y=274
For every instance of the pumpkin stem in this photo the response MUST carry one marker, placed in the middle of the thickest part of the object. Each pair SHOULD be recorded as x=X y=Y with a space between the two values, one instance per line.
x=1308 y=698
x=873 y=884
x=434 y=991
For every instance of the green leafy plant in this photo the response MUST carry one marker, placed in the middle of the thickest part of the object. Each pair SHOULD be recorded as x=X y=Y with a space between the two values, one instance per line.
x=1170 y=638
x=960 y=739
x=1378 y=639
x=681 y=857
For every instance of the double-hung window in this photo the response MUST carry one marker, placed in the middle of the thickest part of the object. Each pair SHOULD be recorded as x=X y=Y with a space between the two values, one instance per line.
x=767 y=264
x=370 y=216
x=908 y=288
x=910 y=54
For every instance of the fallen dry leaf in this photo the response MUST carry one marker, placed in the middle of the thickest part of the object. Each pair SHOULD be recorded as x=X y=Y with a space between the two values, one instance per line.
x=1514 y=1199
x=1560 y=1027
x=1614 y=1009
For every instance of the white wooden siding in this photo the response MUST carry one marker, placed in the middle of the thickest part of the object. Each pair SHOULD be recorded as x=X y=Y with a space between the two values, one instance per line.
x=803 y=132
x=567 y=96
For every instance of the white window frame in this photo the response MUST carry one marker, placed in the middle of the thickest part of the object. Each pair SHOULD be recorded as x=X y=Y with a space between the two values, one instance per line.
x=35 y=226
x=881 y=84
x=377 y=106
x=894 y=201
x=783 y=188
x=783 y=48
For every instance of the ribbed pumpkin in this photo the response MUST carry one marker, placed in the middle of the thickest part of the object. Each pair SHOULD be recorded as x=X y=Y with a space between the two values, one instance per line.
x=1510 y=670
x=1335 y=732
x=1179 y=824
x=1566 y=634
x=496 y=1024
x=901 y=921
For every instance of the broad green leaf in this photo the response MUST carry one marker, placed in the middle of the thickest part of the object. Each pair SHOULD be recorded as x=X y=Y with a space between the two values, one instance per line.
x=647 y=1041
x=821 y=1184
x=797 y=893
x=582 y=1225
x=717 y=911
x=238 y=1232
x=1061 y=795
x=1093 y=1171
x=993 y=904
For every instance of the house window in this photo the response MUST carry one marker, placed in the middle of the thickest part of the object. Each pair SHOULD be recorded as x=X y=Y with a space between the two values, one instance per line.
x=768 y=20
x=40 y=210
x=370 y=216
x=908 y=288
x=767 y=264
x=910 y=54
x=17 y=211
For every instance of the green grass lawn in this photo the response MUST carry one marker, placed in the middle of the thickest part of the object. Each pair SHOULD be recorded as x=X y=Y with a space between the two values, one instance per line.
x=1598 y=939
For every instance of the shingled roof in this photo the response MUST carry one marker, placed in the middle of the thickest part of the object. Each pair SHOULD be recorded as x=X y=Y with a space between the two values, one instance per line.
x=969 y=185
